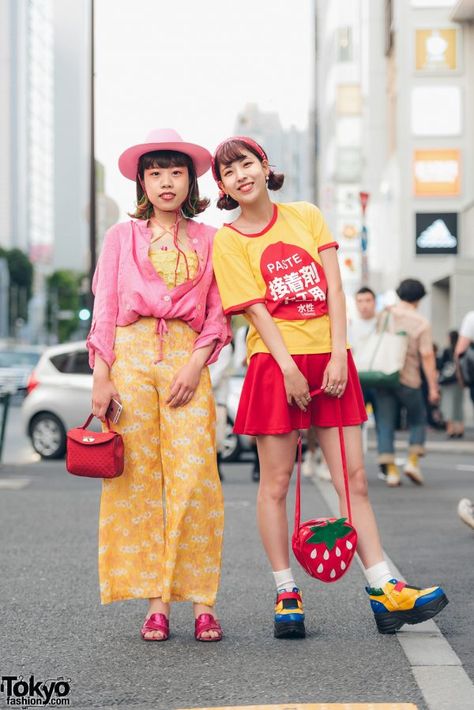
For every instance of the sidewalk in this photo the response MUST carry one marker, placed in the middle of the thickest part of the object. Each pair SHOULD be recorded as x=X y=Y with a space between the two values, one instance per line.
x=436 y=441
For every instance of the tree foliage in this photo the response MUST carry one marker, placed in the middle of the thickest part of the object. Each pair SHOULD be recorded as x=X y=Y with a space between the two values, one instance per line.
x=64 y=297
x=21 y=273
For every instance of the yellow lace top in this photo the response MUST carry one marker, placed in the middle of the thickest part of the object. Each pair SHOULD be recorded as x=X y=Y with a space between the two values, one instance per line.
x=164 y=262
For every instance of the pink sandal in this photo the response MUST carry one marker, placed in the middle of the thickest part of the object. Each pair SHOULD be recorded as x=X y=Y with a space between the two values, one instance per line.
x=156 y=622
x=205 y=623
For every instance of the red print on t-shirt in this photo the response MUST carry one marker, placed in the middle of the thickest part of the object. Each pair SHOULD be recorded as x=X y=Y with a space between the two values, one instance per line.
x=296 y=283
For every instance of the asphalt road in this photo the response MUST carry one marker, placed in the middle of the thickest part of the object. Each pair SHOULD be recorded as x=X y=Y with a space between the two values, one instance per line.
x=54 y=626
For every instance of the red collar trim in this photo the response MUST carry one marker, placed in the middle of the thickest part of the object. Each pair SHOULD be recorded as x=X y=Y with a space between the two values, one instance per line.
x=264 y=230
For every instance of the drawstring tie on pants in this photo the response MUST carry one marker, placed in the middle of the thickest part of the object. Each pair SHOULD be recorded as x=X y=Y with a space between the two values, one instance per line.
x=161 y=331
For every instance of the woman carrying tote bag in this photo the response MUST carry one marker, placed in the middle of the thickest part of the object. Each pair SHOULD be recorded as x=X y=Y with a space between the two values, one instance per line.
x=419 y=353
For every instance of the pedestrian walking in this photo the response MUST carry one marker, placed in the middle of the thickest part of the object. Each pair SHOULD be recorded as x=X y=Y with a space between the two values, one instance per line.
x=434 y=415
x=464 y=342
x=452 y=394
x=157 y=323
x=277 y=264
x=404 y=317
x=314 y=464
x=360 y=328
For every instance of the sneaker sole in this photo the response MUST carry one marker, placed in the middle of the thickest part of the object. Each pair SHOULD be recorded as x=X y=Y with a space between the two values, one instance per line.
x=391 y=621
x=289 y=630
x=413 y=478
x=467 y=519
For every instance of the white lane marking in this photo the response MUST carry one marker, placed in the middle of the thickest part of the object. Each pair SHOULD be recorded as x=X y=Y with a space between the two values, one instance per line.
x=14 y=484
x=434 y=663
x=319 y=706
x=464 y=467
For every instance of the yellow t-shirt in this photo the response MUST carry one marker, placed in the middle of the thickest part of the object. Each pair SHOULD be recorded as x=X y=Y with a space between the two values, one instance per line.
x=281 y=267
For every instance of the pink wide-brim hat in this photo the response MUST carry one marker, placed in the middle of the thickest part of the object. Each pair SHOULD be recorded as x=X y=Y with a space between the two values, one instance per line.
x=163 y=139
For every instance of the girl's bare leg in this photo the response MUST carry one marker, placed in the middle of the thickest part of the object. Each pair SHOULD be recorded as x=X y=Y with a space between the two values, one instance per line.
x=369 y=546
x=277 y=458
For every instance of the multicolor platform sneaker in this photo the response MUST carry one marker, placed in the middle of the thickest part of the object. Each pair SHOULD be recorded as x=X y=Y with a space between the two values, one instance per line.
x=398 y=603
x=289 y=615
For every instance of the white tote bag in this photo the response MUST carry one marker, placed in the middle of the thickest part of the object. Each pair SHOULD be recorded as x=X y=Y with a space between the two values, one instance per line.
x=381 y=356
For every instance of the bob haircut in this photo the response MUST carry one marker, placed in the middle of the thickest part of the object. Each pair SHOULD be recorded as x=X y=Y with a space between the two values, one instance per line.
x=193 y=204
x=411 y=290
x=231 y=151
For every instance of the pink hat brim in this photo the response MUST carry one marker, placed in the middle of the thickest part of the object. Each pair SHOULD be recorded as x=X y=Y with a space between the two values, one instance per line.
x=128 y=161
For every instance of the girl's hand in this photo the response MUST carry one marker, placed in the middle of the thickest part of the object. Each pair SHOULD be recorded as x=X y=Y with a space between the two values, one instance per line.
x=184 y=385
x=297 y=388
x=335 y=375
x=102 y=392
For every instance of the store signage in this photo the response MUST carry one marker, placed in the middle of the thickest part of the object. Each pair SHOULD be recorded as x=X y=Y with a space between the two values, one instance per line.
x=436 y=50
x=436 y=173
x=348 y=164
x=436 y=233
x=436 y=110
x=348 y=99
x=433 y=3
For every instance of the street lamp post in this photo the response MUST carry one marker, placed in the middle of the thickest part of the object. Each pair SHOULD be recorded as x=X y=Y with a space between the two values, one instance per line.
x=92 y=178
x=364 y=240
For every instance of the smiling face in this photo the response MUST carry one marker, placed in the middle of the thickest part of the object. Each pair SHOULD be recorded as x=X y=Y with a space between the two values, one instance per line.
x=244 y=178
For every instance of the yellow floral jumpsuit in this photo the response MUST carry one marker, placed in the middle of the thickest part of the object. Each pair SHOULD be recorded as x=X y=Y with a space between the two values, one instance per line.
x=161 y=522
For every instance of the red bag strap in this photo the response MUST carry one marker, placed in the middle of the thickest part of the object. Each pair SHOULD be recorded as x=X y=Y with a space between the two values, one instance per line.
x=90 y=418
x=314 y=393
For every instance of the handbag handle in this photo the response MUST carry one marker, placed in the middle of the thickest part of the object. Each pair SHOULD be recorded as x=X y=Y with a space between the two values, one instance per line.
x=314 y=393
x=90 y=418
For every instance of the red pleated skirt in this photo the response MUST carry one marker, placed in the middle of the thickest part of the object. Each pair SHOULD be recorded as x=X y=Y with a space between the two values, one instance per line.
x=263 y=408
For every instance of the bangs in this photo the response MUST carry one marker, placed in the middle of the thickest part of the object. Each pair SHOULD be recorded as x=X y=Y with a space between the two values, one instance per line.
x=231 y=151
x=164 y=159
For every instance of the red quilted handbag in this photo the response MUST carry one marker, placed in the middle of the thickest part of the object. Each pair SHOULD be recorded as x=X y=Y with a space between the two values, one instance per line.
x=94 y=454
x=324 y=547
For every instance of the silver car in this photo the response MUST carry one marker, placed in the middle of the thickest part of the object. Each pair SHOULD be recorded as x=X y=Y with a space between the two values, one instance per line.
x=59 y=398
x=16 y=364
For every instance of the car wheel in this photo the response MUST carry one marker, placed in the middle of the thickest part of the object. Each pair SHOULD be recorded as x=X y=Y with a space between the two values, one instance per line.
x=231 y=447
x=48 y=436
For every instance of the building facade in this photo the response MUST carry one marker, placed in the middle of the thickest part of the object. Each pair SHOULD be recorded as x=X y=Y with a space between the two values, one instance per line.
x=72 y=73
x=395 y=111
x=27 y=127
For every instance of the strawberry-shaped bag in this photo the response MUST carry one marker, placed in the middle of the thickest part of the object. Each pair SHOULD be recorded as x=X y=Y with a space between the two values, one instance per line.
x=324 y=547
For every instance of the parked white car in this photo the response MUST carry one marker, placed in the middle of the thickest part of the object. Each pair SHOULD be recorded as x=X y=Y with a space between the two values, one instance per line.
x=59 y=398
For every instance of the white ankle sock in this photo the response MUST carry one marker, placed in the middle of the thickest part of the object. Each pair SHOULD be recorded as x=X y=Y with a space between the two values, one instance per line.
x=378 y=575
x=284 y=579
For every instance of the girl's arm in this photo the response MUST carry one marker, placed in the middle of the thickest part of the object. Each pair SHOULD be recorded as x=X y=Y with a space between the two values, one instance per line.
x=214 y=335
x=103 y=389
x=186 y=380
x=101 y=338
x=296 y=385
x=335 y=375
x=216 y=328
